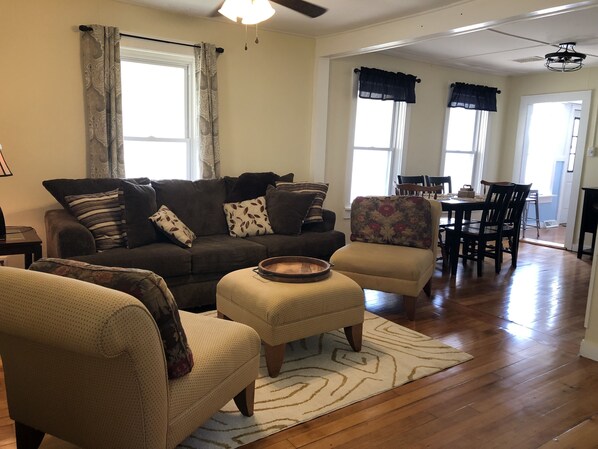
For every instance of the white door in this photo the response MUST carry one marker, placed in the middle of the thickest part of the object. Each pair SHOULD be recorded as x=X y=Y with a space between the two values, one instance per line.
x=539 y=117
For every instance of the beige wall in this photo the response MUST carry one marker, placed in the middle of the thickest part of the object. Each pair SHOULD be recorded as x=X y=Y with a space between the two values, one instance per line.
x=425 y=126
x=265 y=95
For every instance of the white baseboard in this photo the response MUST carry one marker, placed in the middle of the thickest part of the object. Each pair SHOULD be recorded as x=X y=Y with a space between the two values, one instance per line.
x=589 y=350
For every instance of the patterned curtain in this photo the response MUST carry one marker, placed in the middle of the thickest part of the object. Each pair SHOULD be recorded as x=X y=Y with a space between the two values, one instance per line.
x=207 y=95
x=473 y=96
x=377 y=84
x=100 y=50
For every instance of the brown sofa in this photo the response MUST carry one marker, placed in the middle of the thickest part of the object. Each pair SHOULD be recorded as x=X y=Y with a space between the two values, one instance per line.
x=190 y=273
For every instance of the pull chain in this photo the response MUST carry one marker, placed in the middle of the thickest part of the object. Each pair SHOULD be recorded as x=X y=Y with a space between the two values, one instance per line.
x=257 y=39
x=245 y=37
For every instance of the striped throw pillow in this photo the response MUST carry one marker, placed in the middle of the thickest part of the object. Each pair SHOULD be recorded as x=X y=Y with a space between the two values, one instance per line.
x=103 y=214
x=314 y=214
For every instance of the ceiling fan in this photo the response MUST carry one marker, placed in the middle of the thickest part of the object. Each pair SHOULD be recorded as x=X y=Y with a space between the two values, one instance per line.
x=300 y=6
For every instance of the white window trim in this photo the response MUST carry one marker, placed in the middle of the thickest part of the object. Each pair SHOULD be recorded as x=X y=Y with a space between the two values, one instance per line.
x=397 y=146
x=170 y=55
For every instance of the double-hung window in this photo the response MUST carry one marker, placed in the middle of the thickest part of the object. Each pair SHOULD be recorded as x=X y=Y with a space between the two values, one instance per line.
x=464 y=146
x=377 y=146
x=157 y=99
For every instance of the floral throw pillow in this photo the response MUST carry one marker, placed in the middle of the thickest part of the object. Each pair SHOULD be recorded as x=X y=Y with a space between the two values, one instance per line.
x=394 y=220
x=167 y=222
x=147 y=287
x=248 y=218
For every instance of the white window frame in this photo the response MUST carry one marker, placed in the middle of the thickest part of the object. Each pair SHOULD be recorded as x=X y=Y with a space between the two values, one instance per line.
x=479 y=145
x=174 y=57
x=398 y=141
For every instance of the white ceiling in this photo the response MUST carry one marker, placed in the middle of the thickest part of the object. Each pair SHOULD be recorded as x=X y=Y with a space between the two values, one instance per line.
x=495 y=50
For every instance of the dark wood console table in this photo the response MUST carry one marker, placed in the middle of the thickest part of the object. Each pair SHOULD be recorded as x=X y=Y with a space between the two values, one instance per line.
x=589 y=219
x=21 y=240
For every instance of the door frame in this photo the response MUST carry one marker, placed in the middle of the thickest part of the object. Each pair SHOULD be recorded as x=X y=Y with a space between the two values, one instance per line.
x=585 y=98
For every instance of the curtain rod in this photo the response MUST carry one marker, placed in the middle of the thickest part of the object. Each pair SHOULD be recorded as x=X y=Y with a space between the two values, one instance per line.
x=88 y=28
x=497 y=90
x=417 y=80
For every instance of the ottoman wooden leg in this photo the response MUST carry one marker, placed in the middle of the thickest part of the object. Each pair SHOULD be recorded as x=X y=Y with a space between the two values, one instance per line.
x=274 y=358
x=354 y=334
x=245 y=399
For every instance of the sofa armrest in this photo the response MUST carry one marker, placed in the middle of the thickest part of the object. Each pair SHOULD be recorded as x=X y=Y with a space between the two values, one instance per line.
x=323 y=226
x=65 y=236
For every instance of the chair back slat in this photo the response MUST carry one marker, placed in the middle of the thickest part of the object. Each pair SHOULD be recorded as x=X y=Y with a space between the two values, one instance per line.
x=419 y=179
x=515 y=208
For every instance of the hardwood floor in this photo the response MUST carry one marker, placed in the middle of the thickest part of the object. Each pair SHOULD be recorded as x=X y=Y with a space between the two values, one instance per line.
x=525 y=388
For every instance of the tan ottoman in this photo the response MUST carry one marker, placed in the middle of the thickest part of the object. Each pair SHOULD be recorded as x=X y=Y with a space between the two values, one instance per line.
x=281 y=312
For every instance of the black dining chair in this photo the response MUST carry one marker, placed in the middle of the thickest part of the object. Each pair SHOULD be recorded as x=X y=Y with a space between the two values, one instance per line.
x=444 y=181
x=483 y=239
x=419 y=179
x=512 y=223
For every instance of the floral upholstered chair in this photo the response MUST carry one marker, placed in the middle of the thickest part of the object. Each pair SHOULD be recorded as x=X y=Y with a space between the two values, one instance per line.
x=393 y=246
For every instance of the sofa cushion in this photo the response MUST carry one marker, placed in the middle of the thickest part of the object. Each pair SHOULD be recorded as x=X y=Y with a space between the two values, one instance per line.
x=198 y=204
x=313 y=244
x=394 y=220
x=319 y=188
x=172 y=227
x=140 y=203
x=59 y=188
x=252 y=185
x=163 y=258
x=287 y=210
x=248 y=218
x=103 y=214
x=222 y=253
x=148 y=288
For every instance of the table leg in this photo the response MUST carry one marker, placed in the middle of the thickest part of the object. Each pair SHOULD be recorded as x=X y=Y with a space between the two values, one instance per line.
x=456 y=241
x=28 y=260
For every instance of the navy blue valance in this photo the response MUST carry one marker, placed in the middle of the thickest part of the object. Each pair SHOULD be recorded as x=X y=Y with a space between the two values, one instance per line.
x=379 y=84
x=473 y=96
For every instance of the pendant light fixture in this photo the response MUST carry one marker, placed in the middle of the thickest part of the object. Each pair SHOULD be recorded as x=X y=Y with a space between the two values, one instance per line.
x=565 y=59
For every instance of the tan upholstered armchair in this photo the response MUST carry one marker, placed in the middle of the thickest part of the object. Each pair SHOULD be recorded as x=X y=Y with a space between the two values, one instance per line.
x=393 y=246
x=86 y=364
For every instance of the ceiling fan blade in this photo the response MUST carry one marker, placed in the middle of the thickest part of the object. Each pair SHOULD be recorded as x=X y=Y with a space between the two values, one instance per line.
x=303 y=7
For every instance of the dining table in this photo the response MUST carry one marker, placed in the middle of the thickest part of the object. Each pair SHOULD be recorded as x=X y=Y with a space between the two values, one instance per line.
x=461 y=208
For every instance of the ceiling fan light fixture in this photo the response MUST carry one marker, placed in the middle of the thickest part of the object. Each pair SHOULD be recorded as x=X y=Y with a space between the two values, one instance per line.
x=258 y=11
x=251 y=12
x=235 y=9
x=565 y=59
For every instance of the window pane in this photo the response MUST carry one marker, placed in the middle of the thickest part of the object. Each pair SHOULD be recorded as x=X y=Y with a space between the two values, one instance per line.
x=153 y=100
x=459 y=167
x=461 y=130
x=156 y=160
x=373 y=123
x=370 y=173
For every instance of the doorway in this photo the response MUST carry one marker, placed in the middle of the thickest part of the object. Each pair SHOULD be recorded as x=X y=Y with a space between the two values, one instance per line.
x=549 y=154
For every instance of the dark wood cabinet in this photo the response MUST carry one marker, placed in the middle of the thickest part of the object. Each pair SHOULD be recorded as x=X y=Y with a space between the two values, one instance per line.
x=589 y=219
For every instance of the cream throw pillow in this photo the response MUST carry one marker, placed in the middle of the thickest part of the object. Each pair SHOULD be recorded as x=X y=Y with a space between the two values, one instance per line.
x=167 y=222
x=248 y=218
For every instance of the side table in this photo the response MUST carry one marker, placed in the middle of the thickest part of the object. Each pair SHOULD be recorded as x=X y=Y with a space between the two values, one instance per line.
x=21 y=240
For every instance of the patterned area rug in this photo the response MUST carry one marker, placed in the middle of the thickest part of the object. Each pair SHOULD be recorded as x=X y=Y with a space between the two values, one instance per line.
x=321 y=374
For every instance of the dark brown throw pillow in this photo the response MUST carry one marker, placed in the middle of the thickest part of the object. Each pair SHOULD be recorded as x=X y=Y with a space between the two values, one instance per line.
x=287 y=210
x=253 y=185
x=147 y=287
x=59 y=188
x=140 y=204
